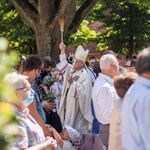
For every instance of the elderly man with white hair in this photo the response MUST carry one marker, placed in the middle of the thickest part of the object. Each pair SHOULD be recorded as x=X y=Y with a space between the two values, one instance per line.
x=103 y=93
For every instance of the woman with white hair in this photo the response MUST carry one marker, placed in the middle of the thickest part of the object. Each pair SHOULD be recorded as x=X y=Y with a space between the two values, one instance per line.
x=31 y=134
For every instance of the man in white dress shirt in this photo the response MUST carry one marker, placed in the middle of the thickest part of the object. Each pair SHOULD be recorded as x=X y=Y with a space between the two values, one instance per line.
x=103 y=93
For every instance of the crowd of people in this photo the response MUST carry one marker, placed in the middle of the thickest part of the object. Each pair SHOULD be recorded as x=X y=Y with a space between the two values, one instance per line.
x=58 y=105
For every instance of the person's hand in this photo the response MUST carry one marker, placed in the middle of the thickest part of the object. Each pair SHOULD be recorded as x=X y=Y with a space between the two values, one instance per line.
x=48 y=126
x=50 y=143
x=45 y=89
x=56 y=136
x=52 y=105
x=62 y=47
x=70 y=80
x=48 y=106
x=48 y=132
x=51 y=129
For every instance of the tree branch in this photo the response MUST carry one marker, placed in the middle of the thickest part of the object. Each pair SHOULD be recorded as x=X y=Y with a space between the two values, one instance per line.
x=66 y=12
x=34 y=3
x=46 y=10
x=65 y=4
x=81 y=13
x=62 y=10
x=26 y=11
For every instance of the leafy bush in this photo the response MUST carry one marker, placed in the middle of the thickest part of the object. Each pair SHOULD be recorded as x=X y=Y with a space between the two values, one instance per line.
x=8 y=124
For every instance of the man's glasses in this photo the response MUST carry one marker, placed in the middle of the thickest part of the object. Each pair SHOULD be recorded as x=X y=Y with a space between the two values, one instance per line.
x=24 y=88
x=127 y=66
x=40 y=68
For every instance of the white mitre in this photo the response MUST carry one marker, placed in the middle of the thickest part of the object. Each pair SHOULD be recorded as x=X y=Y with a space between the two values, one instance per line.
x=81 y=54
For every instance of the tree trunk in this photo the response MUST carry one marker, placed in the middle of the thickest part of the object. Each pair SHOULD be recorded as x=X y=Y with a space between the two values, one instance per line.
x=43 y=42
x=47 y=41
x=41 y=17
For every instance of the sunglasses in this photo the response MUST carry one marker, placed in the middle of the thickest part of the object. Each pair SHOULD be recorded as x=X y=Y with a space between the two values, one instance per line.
x=127 y=66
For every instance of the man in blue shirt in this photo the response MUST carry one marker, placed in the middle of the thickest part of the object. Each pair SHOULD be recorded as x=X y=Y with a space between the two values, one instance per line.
x=32 y=69
x=136 y=107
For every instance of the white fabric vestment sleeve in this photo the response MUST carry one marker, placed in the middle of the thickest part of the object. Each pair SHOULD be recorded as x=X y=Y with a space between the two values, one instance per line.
x=63 y=63
x=62 y=57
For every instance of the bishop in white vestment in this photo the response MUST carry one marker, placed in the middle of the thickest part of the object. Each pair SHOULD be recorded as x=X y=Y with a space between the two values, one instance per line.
x=75 y=105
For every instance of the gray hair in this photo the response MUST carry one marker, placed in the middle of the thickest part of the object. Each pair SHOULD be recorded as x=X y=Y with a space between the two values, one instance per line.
x=121 y=70
x=143 y=61
x=107 y=60
x=15 y=80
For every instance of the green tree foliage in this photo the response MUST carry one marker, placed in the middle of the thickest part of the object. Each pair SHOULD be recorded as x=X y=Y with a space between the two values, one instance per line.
x=141 y=3
x=20 y=36
x=83 y=36
x=127 y=25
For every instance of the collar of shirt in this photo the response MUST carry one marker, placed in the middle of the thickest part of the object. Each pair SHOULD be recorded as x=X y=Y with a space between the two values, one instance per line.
x=90 y=68
x=143 y=80
x=19 y=111
x=26 y=111
x=107 y=78
x=78 y=71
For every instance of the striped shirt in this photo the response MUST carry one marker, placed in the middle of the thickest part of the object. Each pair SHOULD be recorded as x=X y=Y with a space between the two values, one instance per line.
x=30 y=132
